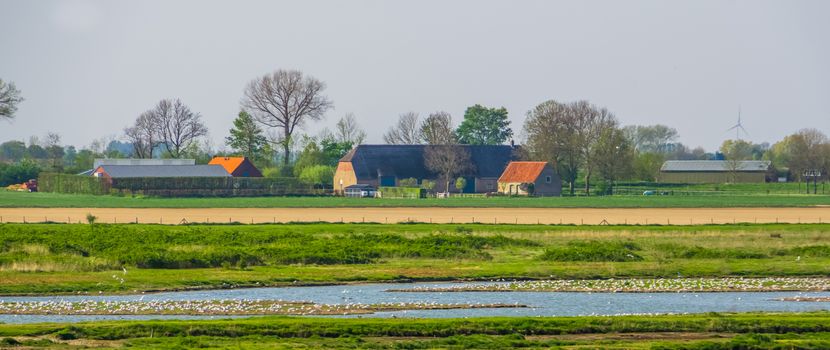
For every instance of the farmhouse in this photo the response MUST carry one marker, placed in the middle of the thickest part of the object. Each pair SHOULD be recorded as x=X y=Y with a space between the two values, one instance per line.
x=237 y=166
x=132 y=171
x=530 y=178
x=714 y=171
x=386 y=165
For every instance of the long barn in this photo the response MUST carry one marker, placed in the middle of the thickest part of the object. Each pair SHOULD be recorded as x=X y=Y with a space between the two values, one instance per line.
x=714 y=171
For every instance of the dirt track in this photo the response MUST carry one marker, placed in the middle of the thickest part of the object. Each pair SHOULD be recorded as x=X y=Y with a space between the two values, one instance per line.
x=663 y=216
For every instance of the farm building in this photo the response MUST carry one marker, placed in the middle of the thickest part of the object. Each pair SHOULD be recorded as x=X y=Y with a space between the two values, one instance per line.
x=530 y=178
x=386 y=165
x=133 y=171
x=134 y=161
x=237 y=166
x=714 y=171
x=359 y=190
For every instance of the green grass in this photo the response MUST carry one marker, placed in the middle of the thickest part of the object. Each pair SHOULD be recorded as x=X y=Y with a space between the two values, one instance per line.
x=71 y=258
x=55 y=200
x=787 y=188
x=703 y=331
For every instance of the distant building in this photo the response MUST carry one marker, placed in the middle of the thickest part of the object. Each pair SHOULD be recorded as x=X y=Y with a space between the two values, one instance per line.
x=359 y=191
x=237 y=166
x=132 y=171
x=386 y=165
x=530 y=178
x=136 y=161
x=714 y=171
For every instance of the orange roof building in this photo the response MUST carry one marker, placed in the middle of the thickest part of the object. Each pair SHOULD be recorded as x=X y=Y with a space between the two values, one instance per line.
x=237 y=166
x=530 y=178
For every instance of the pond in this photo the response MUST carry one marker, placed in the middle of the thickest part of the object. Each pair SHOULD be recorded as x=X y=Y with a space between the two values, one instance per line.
x=539 y=303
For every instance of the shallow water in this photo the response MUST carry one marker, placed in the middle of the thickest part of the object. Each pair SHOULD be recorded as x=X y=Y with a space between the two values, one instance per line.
x=540 y=303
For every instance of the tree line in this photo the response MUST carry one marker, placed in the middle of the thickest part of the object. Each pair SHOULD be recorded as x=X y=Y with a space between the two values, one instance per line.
x=586 y=143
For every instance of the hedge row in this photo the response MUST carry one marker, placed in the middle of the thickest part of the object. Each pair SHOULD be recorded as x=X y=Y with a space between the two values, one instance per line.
x=207 y=183
x=176 y=186
x=76 y=184
x=402 y=192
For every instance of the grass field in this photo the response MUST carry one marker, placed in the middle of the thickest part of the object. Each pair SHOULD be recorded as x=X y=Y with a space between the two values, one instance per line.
x=704 y=331
x=10 y=199
x=772 y=188
x=61 y=258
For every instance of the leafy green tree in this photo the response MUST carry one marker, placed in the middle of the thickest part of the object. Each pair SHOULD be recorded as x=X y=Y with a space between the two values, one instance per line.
x=647 y=166
x=333 y=150
x=484 y=126
x=18 y=172
x=35 y=151
x=12 y=151
x=311 y=155
x=247 y=137
x=85 y=159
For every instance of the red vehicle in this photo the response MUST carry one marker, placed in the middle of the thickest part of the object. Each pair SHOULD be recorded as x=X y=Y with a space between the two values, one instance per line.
x=31 y=185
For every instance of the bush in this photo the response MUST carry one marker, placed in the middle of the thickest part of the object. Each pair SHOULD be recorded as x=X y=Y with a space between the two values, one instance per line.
x=408 y=182
x=697 y=252
x=318 y=175
x=402 y=192
x=460 y=183
x=598 y=251
x=428 y=185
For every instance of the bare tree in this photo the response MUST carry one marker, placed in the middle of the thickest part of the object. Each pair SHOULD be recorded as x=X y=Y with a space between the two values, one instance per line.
x=448 y=161
x=652 y=138
x=9 y=99
x=347 y=130
x=142 y=135
x=405 y=132
x=735 y=152
x=176 y=126
x=613 y=156
x=592 y=122
x=437 y=129
x=285 y=100
x=566 y=135
x=550 y=129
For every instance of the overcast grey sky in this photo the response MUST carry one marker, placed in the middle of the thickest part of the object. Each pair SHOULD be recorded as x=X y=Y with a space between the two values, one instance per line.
x=88 y=68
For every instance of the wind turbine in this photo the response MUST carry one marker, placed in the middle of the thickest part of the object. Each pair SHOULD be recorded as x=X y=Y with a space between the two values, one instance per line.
x=738 y=127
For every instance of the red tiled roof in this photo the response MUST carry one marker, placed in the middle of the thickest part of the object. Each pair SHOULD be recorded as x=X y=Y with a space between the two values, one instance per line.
x=229 y=163
x=522 y=172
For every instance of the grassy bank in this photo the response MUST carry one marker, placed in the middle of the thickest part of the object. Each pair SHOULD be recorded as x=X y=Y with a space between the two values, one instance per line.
x=705 y=331
x=60 y=258
x=55 y=200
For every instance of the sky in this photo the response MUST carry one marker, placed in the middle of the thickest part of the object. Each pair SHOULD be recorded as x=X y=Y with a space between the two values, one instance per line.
x=88 y=68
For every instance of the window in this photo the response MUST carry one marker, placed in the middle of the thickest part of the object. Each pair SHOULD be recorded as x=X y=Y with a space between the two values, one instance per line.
x=547 y=179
